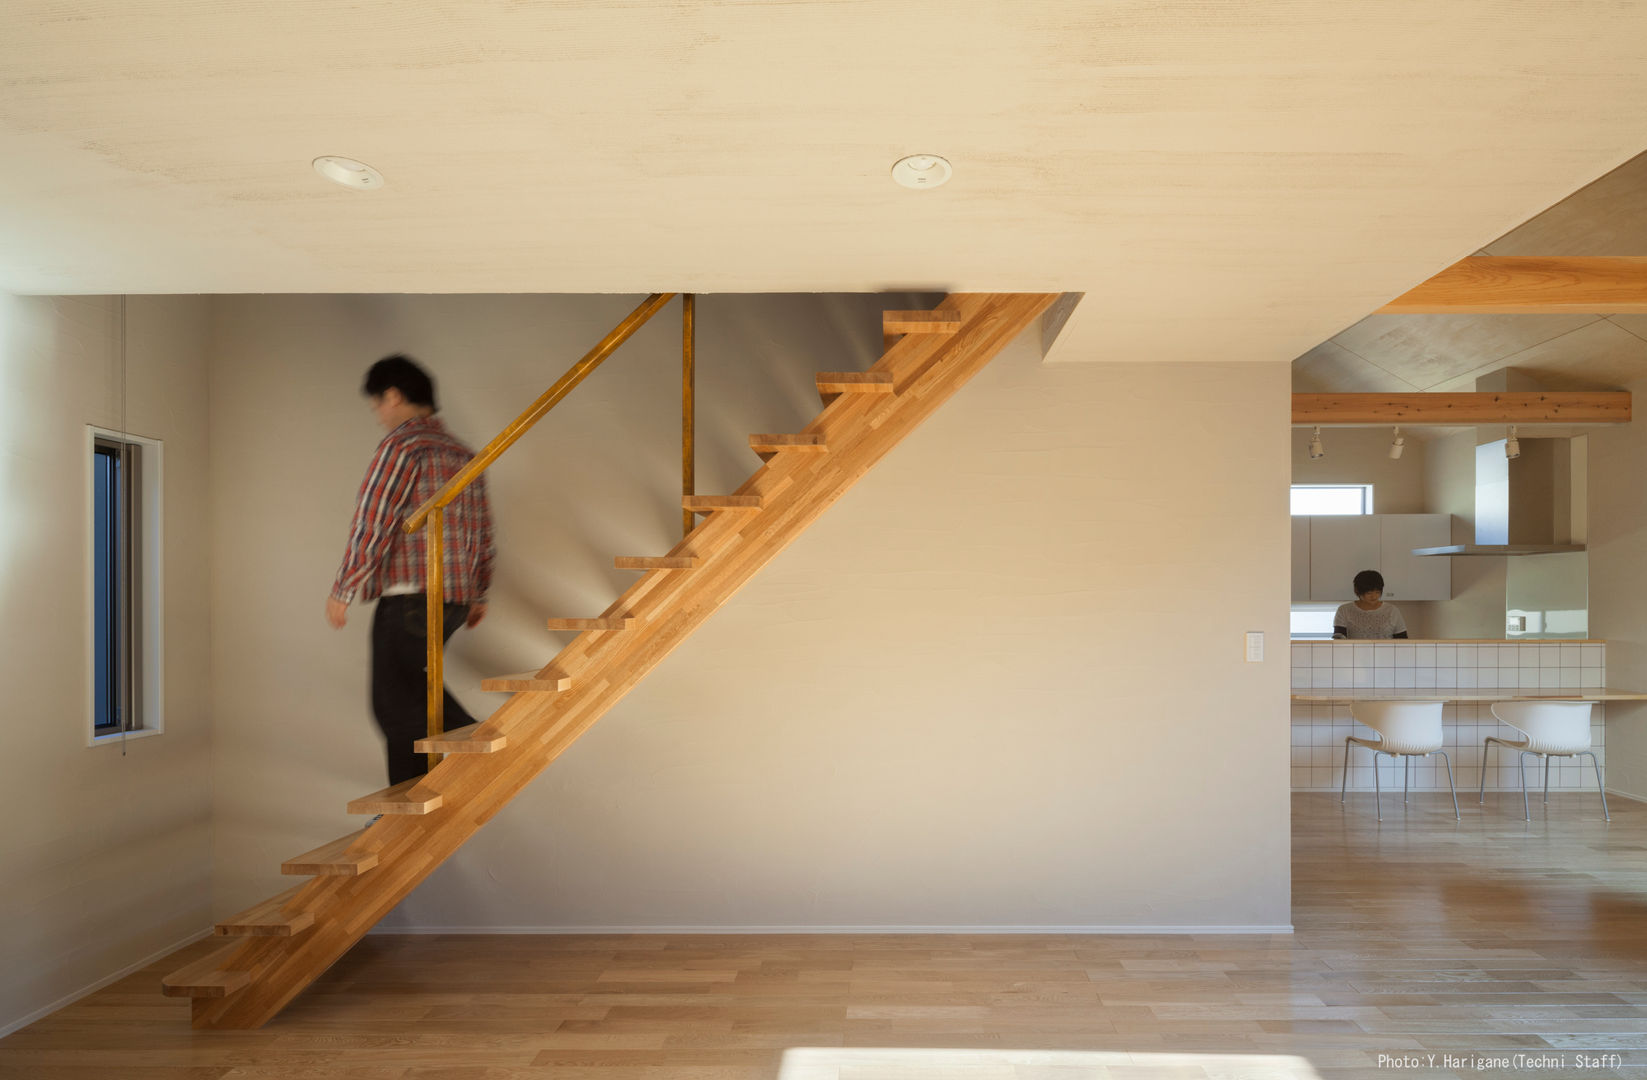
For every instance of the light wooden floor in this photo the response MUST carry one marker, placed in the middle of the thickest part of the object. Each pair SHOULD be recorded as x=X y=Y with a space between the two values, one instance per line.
x=1417 y=937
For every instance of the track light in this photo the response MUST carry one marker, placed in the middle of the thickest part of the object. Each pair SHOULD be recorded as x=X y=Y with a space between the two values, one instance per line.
x=1317 y=451
x=1398 y=445
x=1512 y=445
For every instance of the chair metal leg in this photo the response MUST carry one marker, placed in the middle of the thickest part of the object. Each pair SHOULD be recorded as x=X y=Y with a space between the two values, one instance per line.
x=1546 y=779
x=1406 y=777
x=1595 y=761
x=1521 y=763
x=1344 y=787
x=1450 y=787
x=1378 y=794
x=1486 y=745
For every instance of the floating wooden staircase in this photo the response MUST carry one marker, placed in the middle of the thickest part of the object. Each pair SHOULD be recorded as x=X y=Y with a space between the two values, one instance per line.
x=284 y=943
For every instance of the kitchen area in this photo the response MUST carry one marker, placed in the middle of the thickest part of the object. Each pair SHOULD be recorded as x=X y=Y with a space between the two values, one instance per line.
x=1480 y=534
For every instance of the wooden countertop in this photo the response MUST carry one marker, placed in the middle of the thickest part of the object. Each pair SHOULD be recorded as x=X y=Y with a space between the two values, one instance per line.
x=1324 y=696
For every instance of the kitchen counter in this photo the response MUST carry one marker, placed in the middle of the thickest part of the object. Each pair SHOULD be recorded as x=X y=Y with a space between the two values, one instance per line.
x=1447 y=641
x=1349 y=695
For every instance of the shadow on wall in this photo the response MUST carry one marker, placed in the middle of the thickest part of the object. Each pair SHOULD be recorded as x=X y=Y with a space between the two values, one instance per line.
x=598 y=477
x=601 y=476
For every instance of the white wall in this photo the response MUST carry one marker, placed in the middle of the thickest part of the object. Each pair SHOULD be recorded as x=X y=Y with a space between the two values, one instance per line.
x=1617 y=549
x=107 y=858
x=1000 y=684
x=1477 y=607
x=1362 y=456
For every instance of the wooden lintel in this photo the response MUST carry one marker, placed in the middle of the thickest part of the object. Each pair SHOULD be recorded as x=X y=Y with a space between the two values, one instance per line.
x=1523 y=284
x=1444 y=410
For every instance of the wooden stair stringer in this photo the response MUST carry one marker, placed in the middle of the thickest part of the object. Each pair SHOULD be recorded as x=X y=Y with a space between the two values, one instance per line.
x=668 y=608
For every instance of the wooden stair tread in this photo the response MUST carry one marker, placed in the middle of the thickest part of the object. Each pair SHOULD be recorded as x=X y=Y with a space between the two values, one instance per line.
x=333 y=859
x=770 y=446
x=267 y=920
x=708 y=504
x=832 y=384
x=407 y=797
x=463 y=740
x=554 y=682
x=803 y=442
x=618 y=622
x=855 y=382
x=657 y=562
x=206 y=977
x=940 y=321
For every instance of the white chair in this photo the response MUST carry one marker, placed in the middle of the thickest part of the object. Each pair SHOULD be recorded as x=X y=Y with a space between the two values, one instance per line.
x=1548 y=729
x=1406 y=729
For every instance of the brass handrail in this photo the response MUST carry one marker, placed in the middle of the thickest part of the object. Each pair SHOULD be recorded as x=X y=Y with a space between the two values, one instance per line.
x=535 y=412
x=433 y=512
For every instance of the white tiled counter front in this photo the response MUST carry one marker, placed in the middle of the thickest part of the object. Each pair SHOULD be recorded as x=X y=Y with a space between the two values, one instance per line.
x=1426 y=665
x=1318 y=730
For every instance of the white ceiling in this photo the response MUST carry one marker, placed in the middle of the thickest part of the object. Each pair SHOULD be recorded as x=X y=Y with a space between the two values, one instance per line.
x=1223 y=181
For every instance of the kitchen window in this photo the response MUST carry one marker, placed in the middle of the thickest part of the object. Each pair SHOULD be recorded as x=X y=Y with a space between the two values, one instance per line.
x=1321 y=499
x=1312 y=622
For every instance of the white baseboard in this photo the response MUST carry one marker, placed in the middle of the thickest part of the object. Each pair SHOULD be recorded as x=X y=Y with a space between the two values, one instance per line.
x=1125 y=929
x=10 y=1026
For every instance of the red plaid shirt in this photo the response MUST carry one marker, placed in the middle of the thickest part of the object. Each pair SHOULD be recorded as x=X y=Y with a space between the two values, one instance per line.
x=412 y=463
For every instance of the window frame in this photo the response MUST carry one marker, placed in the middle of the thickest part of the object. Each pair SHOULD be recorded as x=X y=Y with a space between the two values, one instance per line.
x=110 y=561
x=133 y=634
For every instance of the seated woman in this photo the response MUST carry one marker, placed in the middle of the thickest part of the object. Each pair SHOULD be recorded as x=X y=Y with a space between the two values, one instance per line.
x=1368 y=617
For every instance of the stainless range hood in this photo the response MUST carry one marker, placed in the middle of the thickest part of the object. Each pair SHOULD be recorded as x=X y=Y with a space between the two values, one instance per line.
x=1533 y=505
x=1499 y=549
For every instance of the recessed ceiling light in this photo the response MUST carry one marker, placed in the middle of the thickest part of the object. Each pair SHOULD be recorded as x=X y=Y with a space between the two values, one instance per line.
x=348 y=172
x=921 y=171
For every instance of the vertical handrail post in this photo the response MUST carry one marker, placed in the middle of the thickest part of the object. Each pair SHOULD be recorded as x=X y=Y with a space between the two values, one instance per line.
x=435 y=538
x=688 y=378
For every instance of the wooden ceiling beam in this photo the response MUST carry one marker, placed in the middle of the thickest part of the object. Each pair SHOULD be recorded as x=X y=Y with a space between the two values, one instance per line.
x=1450 y=410
x=1529 y=285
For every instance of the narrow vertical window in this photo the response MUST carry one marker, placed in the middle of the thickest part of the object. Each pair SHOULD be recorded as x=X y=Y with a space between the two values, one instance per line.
x=124 y=583
x=109 y=631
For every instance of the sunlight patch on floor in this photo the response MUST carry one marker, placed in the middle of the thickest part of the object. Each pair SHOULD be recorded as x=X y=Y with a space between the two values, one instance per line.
x=929 y=1063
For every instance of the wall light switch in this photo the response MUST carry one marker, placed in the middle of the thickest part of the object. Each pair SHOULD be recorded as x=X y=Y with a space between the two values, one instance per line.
x=1255 y=646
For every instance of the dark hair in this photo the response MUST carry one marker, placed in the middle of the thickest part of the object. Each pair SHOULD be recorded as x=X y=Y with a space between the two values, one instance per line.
x=1368 y=580
x=400 y=372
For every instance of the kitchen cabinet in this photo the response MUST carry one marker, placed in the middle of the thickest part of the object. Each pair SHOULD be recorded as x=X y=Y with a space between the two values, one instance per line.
x=1340 y=548
x=1415 y=577
x=1331 y=550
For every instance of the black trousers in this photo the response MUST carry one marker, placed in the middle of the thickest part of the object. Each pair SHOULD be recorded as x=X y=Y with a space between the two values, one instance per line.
x=400 y=679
